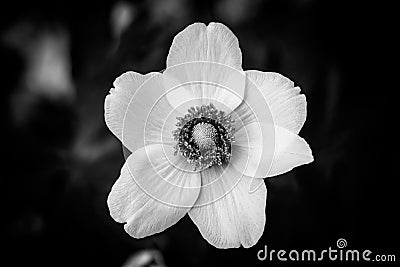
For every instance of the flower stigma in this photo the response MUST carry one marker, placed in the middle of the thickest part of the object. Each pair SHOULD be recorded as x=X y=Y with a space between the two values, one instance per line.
x=204 y=136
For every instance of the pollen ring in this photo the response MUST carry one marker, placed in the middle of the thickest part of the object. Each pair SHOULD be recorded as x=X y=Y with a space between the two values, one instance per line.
x=204 y=136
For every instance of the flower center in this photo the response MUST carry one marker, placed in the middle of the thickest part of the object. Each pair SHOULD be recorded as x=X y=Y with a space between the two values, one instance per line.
x=204 y=137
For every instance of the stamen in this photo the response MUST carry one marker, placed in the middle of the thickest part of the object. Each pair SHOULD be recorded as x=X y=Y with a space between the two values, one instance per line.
x=204 y=136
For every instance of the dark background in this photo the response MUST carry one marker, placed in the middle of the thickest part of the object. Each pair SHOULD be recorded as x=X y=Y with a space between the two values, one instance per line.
x=59 y=60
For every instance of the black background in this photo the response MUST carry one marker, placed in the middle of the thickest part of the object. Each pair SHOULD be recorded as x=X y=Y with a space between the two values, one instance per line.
x=60 y=160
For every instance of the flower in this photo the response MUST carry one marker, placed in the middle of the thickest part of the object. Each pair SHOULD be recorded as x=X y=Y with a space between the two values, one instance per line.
x=203 y=134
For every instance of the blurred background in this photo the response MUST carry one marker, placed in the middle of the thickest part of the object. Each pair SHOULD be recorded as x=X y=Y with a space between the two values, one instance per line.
x=59 y=60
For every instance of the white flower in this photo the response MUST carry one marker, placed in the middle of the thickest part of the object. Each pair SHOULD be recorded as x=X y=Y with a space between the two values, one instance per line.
x=199 y=133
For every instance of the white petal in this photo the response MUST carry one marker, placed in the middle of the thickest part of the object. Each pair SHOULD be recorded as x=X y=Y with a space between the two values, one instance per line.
x=238 y=218
x=116 y=102
x=288 y=106
x=254 y=107
x=159 y=124
x=212 y=43
x=152 y=193
x=136 y=110
x=195 y=83
x=290 y=151
x=210 y=54
x=253 y=149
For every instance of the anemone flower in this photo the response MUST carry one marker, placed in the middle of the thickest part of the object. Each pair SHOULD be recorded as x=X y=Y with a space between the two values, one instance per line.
x=201 y=137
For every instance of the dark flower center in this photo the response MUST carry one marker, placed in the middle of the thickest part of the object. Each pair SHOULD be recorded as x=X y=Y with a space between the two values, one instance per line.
x=204 y=137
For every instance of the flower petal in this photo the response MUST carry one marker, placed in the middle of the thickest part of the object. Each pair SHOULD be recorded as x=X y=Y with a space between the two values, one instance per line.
x=254 y=107
x=205 y=83
x=236 y=219
x=290 y=151
x=159 y=124
x=212 y=43
x=253 y=149
x=288 y=106
x=152 y=193
x=136 y=110
x=205 y=54
x=117 y=101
